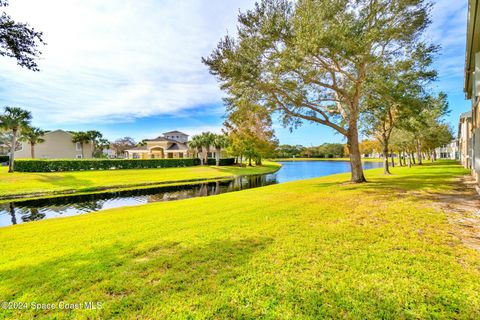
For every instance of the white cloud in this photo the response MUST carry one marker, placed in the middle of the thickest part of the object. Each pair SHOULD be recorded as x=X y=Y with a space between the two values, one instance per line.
x=115 y=60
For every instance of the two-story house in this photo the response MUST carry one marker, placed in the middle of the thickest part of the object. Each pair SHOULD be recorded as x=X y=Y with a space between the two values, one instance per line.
x=57 y=145
x=172 y=145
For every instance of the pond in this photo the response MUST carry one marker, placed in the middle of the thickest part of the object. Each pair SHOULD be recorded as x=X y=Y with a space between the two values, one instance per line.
x=30 y=210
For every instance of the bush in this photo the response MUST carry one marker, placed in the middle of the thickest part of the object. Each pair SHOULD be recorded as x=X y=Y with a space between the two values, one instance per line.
x=4 y=159
x=43 y=165
x=223 y=162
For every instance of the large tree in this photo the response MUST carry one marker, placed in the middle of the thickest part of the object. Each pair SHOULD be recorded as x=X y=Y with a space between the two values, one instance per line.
x=14 y=120
x=249 y=128
x=395 y=91
x=98 y=142
x=310 y=60
x=32 y=136
x=18 y=40
x=122 y=144
x=435 y=107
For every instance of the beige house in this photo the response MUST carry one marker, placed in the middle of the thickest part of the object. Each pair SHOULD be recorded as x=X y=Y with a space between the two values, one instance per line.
x=58 y=145
x=172 y=145
x=465 y=139
x=470 y=121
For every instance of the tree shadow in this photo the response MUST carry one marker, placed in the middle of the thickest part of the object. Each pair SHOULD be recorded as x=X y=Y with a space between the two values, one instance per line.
x=65 y=181
x=131 y=276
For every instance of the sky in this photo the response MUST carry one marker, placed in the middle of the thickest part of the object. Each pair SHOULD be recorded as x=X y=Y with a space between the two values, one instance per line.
x=133 y=68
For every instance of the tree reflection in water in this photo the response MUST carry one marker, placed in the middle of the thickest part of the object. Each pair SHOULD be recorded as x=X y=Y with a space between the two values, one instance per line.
x=32 y=210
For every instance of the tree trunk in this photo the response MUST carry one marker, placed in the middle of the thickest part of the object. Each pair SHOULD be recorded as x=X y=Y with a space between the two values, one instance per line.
x=81 y=146
x=217 y=157
x=12 y=151
x=258 y=161
x=355 y=157
x=419 y=154
x=32 y=150
x=249 y=161
x=207 y=151
x=393 y=159
x=386 y=169
x=200 y=156
x=409 y=160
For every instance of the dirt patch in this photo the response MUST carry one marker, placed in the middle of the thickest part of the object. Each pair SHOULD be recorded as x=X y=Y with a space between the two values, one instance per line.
x=462 y=206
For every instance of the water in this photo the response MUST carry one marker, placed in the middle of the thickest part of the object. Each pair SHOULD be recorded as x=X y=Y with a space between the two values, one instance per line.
x=24 y=211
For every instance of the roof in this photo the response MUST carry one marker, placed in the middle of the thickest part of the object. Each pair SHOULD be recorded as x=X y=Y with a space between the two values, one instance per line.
x=175 y=132
x=58 y=130
x=466 y=115
x=177 y=146
x=159 y=139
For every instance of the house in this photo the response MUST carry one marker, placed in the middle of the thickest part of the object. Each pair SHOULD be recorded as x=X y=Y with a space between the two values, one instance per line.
x=465 y=139
x=57 y=145
x=172 y=145
x=472 y=90
x=448 y=151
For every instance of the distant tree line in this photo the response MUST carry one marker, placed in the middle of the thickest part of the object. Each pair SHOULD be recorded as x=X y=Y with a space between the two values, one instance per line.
x=325 y=150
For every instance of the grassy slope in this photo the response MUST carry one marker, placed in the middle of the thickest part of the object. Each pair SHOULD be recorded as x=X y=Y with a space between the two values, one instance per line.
x=328 y=159
x=310 y=249
x=26 y=183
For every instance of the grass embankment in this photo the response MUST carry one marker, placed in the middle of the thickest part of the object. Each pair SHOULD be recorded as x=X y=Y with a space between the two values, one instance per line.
x=311 y=249
x=328 y=159
x=26 y=184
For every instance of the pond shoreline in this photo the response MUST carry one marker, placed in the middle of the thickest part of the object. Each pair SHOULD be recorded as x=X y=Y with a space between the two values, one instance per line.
x=271 y=167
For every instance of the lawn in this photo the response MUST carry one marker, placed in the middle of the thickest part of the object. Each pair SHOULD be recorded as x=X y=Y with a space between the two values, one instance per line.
x=311 y=249
x=328 y=159
x=35 y=184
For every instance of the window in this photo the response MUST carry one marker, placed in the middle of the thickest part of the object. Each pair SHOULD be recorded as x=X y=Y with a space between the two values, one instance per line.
x=180 y=155
x=78 y=146
x=135 y=155
x=79 y=156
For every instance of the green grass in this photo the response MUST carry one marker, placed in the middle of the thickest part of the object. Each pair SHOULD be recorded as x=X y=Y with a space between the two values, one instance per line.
x=311 y=249
x=328 y=159
x=28 y=184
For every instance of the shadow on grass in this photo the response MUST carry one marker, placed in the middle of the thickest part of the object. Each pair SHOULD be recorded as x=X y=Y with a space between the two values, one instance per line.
x=127 y=277
x=65 y=181
x=421 y=180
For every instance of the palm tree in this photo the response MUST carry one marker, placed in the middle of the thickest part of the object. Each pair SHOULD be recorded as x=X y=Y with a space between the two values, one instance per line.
x=220 y=142
x=196 y=144
x=207 y=141
x=82 y=138
x=14 y=120
x=33 y=136
x=95 y=137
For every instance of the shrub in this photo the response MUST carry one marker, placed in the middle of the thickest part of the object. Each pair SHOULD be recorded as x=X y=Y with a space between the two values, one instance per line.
x=223 y=162
x=4 y=159
x=43 y=165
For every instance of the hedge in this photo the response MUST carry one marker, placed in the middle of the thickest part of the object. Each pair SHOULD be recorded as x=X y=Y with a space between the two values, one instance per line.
x=4 y=159
x=223 y=162
x=99 y=164
x=43 y=165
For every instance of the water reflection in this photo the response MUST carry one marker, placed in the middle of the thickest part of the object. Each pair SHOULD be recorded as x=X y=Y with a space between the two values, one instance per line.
x=31 y=210
x=25 y=211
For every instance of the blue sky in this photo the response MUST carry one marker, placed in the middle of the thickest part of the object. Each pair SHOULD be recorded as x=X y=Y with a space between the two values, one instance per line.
x=132 y=68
